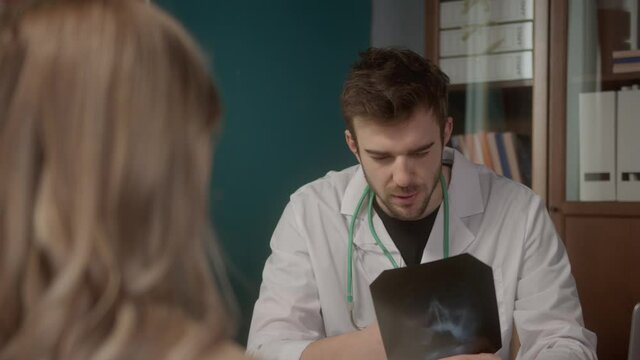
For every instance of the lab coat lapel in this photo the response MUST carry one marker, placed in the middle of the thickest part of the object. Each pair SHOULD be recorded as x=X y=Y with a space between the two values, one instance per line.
x=465 y=199
x=460 y=237
x=366 y=252
x=365 y=242
x=369 y=251
x=352 y=194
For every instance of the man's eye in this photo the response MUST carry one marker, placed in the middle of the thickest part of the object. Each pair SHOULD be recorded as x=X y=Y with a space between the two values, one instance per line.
x=379 y=157
x=421 y=154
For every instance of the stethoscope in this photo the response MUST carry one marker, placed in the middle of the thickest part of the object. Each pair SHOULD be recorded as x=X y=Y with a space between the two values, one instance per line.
x=368 y=192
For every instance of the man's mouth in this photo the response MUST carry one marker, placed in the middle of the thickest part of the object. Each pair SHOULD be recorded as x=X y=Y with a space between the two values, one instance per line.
x=404 y=199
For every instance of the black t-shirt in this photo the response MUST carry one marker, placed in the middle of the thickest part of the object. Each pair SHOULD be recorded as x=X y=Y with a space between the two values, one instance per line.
x=410 y=236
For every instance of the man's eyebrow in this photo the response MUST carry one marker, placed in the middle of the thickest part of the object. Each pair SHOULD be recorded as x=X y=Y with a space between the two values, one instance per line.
x=419 y=149
x=422 y=148
x=376 y=152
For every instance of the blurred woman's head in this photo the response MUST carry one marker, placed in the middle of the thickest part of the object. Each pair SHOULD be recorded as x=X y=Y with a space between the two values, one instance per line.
x=106 y=116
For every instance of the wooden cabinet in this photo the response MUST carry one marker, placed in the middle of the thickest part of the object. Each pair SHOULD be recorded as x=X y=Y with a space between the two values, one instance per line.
x=602 y=238
x=573 y=42
x=604 y=255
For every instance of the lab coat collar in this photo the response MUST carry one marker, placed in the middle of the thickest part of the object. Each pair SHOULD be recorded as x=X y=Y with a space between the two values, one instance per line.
x=353 y=193
x=465 y=199
x=465 y=193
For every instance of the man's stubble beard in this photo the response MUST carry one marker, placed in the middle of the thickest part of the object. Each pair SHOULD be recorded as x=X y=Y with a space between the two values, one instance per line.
x=388 y=207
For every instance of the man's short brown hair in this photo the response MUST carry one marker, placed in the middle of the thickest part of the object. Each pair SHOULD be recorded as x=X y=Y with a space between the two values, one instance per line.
x=388 y=84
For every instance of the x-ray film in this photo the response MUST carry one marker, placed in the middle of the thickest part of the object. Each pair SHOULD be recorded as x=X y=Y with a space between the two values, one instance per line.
x=438 y=309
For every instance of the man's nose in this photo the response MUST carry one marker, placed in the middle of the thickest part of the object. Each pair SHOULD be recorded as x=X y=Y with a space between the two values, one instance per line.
x=402 y=172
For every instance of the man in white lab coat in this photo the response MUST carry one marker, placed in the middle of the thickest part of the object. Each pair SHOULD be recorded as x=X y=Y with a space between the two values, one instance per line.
x=395 y=106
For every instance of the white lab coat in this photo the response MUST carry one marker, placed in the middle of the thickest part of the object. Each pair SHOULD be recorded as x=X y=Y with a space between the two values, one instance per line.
x=500 y=222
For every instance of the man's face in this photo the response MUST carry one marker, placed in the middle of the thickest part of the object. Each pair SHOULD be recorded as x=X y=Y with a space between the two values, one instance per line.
x=402 y=162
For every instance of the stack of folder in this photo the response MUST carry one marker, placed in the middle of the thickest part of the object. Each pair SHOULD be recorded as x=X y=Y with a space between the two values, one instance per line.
x=486 y=41
x=609 y=147
x=626 y=61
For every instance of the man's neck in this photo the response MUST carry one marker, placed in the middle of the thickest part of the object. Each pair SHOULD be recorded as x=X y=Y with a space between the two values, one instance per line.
x=437 y=196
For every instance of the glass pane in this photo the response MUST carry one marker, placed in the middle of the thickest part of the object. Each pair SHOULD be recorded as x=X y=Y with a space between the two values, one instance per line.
x=486 y=48
x=602 y=60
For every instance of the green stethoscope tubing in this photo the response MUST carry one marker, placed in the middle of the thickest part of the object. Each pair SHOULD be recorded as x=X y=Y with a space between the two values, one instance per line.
x=367 y=192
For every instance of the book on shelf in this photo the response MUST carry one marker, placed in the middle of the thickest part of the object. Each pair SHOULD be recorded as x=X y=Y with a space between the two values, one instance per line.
x=626 y=68
x=495 y=157
x=477 y=151
x=486 y=152
x=506 y=153
x=523 y=153
x=492 y=67
x=623 y=54
x=471 y=148
x=478 y=39
x=626 y=61
x=460 y=13
x=502 y=154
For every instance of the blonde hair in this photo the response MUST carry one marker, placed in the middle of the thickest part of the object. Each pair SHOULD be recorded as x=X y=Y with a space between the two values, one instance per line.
x=106 y=116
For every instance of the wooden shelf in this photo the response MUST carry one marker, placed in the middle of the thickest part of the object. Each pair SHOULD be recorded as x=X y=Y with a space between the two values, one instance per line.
x=494 y=84
x=632 y=76
x=609 y=81
x=601 y=208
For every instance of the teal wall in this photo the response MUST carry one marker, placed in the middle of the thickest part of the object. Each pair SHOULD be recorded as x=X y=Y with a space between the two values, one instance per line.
x=279 y=65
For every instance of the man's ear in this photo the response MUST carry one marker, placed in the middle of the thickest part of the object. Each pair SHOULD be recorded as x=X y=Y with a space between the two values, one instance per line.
x=352 y=144
x=448 y=130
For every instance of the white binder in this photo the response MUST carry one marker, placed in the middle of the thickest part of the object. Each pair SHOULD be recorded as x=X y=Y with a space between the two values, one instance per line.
x=487 y=39
x=628 y=145
x=597 y=146
x=461 y=13
x=491 y=67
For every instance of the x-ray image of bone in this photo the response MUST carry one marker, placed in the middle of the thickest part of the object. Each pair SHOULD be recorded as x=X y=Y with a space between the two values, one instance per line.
x=453 y=330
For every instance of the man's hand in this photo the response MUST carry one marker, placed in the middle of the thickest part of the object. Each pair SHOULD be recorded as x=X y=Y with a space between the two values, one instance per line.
x=473 y=357
x=365 y=344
